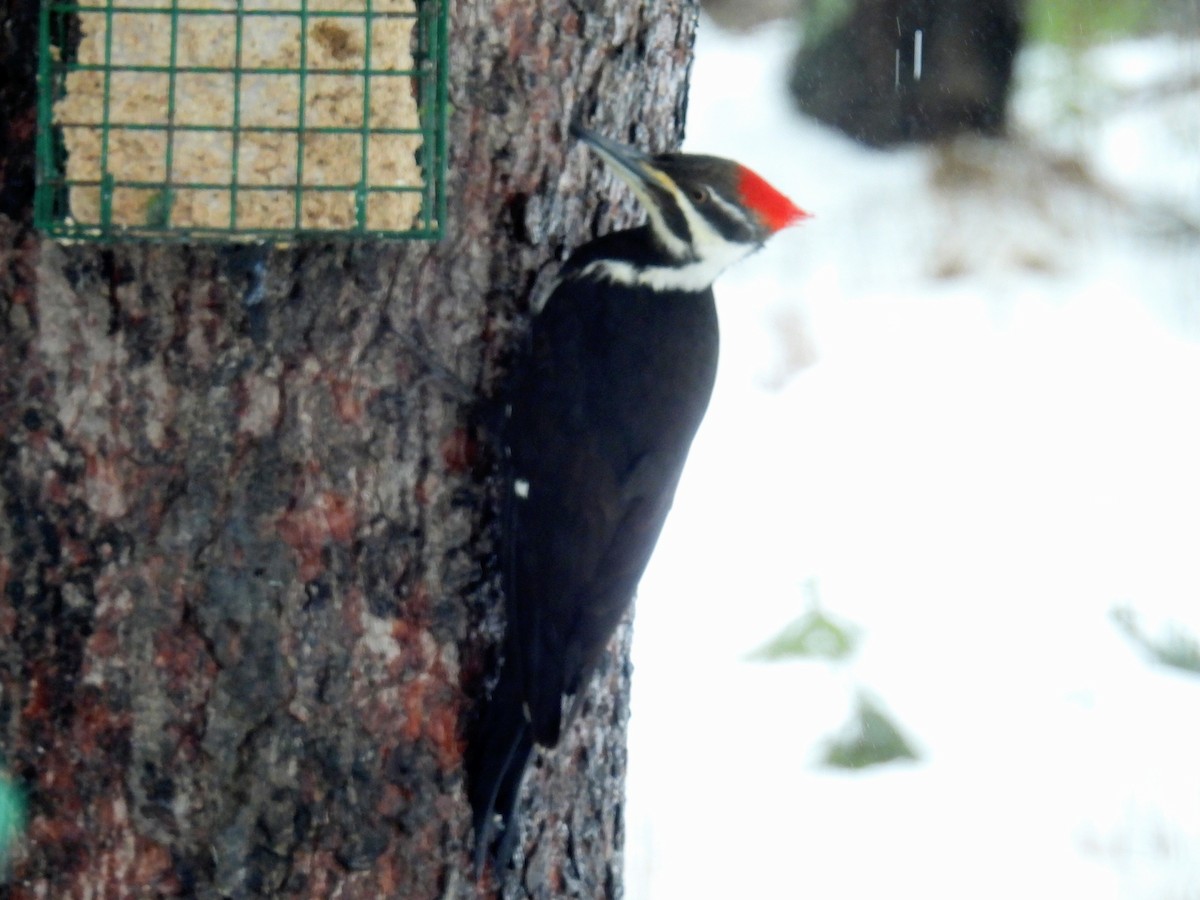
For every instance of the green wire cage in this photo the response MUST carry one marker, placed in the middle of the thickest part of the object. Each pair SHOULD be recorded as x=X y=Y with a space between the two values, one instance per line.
x=241 y=119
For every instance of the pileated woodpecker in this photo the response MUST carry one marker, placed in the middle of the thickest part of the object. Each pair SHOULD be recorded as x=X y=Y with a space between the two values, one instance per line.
x=600 y=416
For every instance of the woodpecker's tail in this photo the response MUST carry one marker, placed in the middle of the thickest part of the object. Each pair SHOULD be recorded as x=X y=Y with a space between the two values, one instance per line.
x=497 y=753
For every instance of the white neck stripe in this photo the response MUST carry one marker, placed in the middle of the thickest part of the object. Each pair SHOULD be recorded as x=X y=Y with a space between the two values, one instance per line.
x=689 y=277
x=701 y=260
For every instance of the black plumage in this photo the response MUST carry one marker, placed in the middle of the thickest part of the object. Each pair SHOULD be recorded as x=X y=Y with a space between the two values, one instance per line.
x=601 y=412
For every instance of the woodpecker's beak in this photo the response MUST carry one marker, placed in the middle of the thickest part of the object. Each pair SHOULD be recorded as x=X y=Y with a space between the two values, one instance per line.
x=631 y=164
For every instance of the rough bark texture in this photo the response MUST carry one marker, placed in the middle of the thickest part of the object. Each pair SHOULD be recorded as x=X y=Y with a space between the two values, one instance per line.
x=246 y=593
x=860 y=74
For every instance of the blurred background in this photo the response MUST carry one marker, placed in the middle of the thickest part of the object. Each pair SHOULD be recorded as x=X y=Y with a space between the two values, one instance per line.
x=925 y=619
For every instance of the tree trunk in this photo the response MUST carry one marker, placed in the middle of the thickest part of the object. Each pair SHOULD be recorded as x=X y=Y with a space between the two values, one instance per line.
x=247 y=600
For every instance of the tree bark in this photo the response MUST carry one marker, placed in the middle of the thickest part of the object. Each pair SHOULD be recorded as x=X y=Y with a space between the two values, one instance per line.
x=247 y=600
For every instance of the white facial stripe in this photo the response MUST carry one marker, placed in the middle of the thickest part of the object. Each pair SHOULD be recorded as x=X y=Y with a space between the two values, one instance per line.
x=711 y=249
x=709 y=246
x=709 y=252
x=731 y=209
x=673 y=243
x=703 y=234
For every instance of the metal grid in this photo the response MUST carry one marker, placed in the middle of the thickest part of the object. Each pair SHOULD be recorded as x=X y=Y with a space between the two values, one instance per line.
x=241 y=119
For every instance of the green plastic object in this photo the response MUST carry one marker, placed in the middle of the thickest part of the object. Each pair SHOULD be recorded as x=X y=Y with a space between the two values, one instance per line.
x=241 y=120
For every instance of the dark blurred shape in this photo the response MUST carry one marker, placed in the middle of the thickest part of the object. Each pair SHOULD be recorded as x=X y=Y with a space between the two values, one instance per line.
x=891 y=71
x=1173 y=646
x=742 y=15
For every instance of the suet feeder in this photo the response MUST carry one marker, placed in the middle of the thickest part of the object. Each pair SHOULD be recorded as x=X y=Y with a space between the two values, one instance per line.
x=241 y=120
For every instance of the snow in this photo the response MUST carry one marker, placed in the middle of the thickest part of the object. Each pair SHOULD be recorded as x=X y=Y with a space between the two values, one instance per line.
x=965 y=409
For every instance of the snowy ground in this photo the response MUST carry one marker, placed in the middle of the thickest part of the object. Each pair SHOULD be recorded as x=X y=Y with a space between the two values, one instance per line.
x=963 y=401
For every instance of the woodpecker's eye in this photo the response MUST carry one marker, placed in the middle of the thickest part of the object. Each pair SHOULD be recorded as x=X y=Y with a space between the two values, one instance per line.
x=700 y=194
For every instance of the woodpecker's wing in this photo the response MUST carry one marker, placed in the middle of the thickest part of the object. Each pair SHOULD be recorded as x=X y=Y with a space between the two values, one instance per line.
x=602 y=416
x=578 y=597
